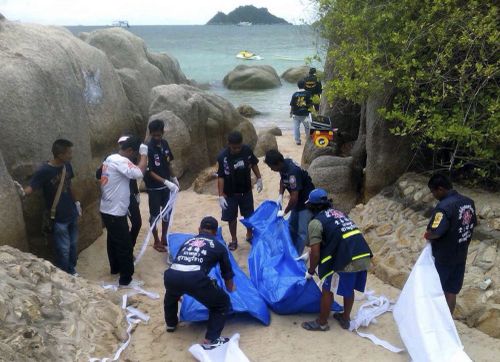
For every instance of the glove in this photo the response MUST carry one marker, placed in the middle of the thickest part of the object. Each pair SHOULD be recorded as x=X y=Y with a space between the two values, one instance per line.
x=280 y=213
x=259 y=185
x=175 y=181
x=20 y=189
x=78 y=208
x=308 y=276
x=171 y=186
x=280 y=200
x=222 y=202
x=143 y=149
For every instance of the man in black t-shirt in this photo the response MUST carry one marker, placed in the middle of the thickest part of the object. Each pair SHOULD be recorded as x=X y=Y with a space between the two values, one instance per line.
x=47 y=178
x=299 y=110
x=299 y=184
x=159 y=180
x=313 y=85
x=189 y=275
x=450 y=233
x=235 y=183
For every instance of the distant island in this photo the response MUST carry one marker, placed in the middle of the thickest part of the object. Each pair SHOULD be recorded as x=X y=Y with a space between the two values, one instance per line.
x=246 y=15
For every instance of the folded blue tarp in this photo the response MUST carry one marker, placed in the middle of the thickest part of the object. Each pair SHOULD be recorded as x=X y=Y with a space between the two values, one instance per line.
x=276 y=274
x=245 y=299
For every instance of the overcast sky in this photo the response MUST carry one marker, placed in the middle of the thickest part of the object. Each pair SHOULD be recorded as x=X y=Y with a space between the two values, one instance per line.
x=142 y=12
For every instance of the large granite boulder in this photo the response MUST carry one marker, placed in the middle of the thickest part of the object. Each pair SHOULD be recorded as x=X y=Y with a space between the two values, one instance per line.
x=311 y=152
x=294 y=74
x=252 y=77
x=338 y=176
x=139 y=69
x=266 y=141
x=53 y=85
x=247 y=111
x=197 y=124
x=48 y=315
x=394 y=221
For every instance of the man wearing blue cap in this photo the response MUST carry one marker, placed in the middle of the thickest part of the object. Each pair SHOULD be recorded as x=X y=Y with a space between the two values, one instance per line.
x=342 y=257
x=189 y=275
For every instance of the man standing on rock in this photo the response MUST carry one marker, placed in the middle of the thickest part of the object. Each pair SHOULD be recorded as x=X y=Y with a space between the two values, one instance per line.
x=342 y=257
x=189 y=275
x=54 y=178
x=299 y=184
x=235 y=183
x=450 y=232
x=117 y=171
x=299 y=110
x=159 y=180
x=313 y=85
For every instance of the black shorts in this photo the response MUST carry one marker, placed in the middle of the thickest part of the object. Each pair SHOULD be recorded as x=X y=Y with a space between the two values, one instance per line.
x=158 y=199
x=243 y=201
x=451 y=276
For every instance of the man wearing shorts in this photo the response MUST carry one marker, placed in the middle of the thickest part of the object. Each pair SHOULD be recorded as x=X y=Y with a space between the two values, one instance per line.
x=342 y=257
x=450 y=232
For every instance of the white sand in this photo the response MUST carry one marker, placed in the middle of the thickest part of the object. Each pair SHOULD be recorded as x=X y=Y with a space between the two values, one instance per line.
x=284 y=339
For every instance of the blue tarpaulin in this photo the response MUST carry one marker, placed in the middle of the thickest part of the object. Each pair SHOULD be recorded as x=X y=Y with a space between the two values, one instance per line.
x=245 y=299
x=276 y=274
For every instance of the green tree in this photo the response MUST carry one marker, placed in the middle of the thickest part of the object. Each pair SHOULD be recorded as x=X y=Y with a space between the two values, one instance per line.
x=440 y=56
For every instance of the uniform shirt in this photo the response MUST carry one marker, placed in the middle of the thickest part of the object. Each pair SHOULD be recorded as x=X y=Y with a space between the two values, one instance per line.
x=117 y=171
x=235 y=170
x=343 y=247
x=134 y=188
x=313 y=85
x=47 y=178
x=205 y=251
x=159 y=158
x=295 y=178
x=453 y=220
x=301 y=102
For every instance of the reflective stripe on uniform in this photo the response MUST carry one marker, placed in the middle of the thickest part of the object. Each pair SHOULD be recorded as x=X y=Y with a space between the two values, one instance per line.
x=185 y=268
x=327 y=275
x=325 y=259
x=350 y=233
x=360 y=256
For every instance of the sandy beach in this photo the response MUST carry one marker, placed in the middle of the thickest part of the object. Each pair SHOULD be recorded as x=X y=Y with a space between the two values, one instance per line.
x=284 y=339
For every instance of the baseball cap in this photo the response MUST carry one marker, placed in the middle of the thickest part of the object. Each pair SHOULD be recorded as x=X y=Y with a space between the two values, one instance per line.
x=123 y=139
x=209 y=223
x=317 y=197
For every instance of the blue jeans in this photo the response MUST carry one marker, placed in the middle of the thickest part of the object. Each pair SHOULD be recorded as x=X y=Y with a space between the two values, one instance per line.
x=297 y=120
x=298 y=224
x=65 y=236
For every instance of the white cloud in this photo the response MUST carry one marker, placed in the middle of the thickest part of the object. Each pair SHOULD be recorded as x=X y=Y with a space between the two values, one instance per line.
x=163 y=12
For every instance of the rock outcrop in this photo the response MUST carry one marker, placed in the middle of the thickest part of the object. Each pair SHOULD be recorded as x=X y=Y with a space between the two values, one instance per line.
x=394 y=222
x=48 y=315
x=53 y=85
x=247 y=111
x=139 y=69
x=197 y=124
x=266 y=141
x=293 y=75
x=252 y=77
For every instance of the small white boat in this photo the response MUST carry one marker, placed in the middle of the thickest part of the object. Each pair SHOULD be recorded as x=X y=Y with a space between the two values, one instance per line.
x=121 y=24
x=246 y=55
x=244 y=23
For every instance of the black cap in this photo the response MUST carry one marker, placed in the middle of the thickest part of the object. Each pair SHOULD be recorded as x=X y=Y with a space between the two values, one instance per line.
x=209 y=223
x=312 y=71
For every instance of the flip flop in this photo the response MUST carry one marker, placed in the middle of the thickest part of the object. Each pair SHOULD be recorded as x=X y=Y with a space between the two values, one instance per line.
x=343 y=323
x=315 y=326
x=233 y=245
x=160 y=248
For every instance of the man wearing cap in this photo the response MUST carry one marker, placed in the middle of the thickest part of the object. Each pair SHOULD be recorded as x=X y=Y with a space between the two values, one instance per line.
x=300 y=105
x=313 y=86
x=299 y=184
x=342 y=257
x=189 y=275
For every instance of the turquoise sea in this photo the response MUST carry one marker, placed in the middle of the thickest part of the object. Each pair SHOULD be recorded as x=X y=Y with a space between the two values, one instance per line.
x=207 y=53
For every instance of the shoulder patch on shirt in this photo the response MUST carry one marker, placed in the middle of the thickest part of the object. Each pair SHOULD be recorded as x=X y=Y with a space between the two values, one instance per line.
x=293 y=181
x=437 y=220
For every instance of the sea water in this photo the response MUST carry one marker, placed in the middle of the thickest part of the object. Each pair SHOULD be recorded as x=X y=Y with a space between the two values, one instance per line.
x=207 y=53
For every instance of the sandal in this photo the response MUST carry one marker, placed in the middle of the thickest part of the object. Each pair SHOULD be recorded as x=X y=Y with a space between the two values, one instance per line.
x=233 y=245
x=160 y=248
x=345 y=324
x=315 y=326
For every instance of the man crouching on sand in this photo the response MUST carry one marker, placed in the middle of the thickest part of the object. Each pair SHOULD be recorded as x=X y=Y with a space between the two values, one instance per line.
x=189 y=275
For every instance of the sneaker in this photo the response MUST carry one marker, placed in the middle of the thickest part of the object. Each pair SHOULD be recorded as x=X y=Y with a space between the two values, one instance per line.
x=298 y=143
x=132 y=284
x=215 y=343
x=75 y=274
x=171 y=329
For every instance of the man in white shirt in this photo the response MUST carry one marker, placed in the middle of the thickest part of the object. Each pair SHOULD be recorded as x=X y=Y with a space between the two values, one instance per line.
x=117 y=170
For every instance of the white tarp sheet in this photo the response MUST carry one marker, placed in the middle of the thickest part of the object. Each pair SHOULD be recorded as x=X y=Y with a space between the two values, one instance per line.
x=228 y=352
x=423 y=318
